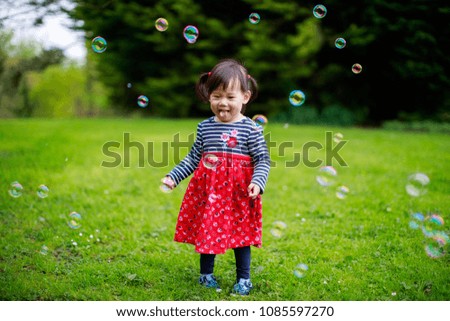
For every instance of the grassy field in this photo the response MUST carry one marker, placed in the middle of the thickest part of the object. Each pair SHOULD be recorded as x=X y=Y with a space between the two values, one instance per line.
x=357 y=248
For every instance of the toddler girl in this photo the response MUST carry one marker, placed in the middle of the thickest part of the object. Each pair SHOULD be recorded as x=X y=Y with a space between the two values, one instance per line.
x=222 y=207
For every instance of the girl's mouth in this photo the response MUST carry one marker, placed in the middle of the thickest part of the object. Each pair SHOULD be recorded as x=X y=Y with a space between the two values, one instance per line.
x=223 y=113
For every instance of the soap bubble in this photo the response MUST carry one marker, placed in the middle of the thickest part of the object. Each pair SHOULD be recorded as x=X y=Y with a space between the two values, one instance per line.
x=356 y=68
x=190 y=33
x=260 y=120
x=340 y=43
x=432 y=224
x=320 y=11
x=326 y=176
x=416 y=221
x=15 y=189
x=254 y=18
x=74 y=221
x=211 y=161
x=165 y=189
x=212 y=197
x=300 y=270
x=297 y=98
x=278 y=228
x=161 y=24
x=417 y=184
x=342 y=192
x=434 y=250
x=44 y=250
x=414 y=225
x=338 y=137
x=142 y=101
x=42 y=191
x=99 y=44
x=435 y=247
x=166 y=184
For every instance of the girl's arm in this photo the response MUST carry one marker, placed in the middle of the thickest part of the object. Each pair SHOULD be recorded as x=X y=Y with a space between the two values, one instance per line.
x=260 y=154
x=187 y=166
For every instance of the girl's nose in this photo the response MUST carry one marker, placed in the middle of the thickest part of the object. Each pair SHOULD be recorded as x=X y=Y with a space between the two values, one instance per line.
x=223 y=102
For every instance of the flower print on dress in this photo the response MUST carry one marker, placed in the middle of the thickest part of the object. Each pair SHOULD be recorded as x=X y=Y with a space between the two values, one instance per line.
x=230 y=139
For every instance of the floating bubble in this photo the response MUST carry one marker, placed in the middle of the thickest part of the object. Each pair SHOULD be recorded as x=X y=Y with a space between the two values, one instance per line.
x=161 y=24
x=260 y=120
x=435 y=219
x=417 y=184
x=142 y=101
x=342 y=192
x=338 y=137
x=297 y=98
x=300 y=270
x=418 y=217
x=326 y=176
x=74 y=221
x=131 y=277
x=99 y=44
x=42 y=191
x=129 y=85
x=416 y=221
x=319 y=11
x=211 y=161
x=44 y=250
x=15 y=189
x=254 y=18
x=432 y=224
x=434 y=249
x=340 y=43
x=441 y=237
x=414 y=225
x=190 y=33
x=278 y=228
x=167 y=185
x=165 y=188
x=356 y=68
x=212 y=198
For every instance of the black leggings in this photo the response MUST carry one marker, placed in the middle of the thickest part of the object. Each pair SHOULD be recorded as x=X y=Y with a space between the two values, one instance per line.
x=242 y=255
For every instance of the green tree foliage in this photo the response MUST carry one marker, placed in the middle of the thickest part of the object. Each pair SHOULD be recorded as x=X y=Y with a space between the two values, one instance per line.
x=38 y=82
x=402 y=48
x=16 y=60
x=60 y=91
x=400 y=44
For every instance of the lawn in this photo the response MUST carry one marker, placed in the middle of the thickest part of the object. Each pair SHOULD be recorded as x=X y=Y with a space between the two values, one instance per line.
x=360 y=247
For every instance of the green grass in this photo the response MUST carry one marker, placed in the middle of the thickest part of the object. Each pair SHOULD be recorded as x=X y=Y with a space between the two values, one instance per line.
x=358 y=248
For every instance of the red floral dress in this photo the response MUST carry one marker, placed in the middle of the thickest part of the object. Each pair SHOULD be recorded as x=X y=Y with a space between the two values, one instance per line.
x=216 y=213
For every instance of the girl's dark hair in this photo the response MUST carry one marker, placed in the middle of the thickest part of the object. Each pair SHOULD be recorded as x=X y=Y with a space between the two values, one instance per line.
x=222 y=75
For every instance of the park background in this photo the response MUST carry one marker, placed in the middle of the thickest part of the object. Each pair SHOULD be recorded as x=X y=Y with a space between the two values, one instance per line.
x=394 y=115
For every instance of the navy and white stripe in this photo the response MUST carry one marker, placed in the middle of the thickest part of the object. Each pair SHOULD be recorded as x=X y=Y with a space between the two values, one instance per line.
x=210 y=138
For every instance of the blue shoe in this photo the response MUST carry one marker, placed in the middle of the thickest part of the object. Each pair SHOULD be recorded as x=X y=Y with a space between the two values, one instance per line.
x=209 y=281
x=243 y=287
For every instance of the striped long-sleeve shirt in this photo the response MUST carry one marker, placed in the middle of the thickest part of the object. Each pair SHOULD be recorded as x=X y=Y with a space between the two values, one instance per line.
x=243 y=137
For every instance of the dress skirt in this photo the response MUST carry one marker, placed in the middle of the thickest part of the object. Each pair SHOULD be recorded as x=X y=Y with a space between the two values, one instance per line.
x=216 y=213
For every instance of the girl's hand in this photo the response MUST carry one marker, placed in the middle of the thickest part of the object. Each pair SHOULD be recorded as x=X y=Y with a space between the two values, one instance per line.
x=253 y=190
x=168 y=182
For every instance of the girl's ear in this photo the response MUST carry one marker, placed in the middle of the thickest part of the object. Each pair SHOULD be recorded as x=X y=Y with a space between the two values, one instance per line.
x=247 y=96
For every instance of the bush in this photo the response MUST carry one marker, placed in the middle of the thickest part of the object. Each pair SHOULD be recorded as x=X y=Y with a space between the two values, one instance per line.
x=422 y=126
x=332 y=115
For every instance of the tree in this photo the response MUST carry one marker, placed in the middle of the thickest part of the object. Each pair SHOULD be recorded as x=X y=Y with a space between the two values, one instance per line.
x=16 y=61
x=400 y=45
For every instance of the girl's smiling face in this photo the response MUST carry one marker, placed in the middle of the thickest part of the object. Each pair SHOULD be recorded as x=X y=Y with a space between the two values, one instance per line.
x=226 y=103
